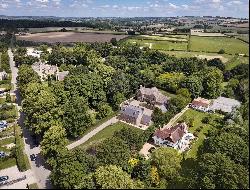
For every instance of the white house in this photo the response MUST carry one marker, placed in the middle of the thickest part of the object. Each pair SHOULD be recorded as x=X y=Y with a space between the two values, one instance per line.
x=174 y=137
x=200 y=104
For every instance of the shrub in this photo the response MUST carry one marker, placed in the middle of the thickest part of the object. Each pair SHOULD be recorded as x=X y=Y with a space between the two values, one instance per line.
x=222 y=51
x=205 y=120
x=198 y=129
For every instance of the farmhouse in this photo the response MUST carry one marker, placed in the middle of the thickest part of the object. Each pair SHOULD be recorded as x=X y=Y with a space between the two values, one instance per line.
x=136 y=115
x=200 y=104
x=176 y=137
x=224 y=104
x=196 y=31
x=3 y=75
x=152 y=96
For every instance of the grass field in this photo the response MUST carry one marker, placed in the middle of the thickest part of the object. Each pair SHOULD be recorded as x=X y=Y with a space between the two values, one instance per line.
x=159 y=44
x=197 y=116
x=236 y=60
x=214 y=44
x=105 y=133
x=168 y=94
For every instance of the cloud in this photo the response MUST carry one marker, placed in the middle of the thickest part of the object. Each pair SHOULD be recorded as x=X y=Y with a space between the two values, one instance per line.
x=3 y=6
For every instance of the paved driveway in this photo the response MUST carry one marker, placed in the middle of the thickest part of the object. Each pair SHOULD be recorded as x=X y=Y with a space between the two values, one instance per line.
x=92 y=133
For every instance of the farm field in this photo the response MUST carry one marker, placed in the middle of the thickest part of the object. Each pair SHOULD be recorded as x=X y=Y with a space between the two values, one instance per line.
x=180 y=38
x=197 y=117
x=105 y=133
x=53 y=37
x=214 y=44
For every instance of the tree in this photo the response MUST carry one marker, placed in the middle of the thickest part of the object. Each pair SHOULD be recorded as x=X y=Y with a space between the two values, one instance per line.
x=54 y=144
x=194 y=85
x=184 y=92
x=8 y=98
x=216 y=171
x=77 y=117
x=104 y=110
x=113 y=41
x=26 y=75
x=118 y=98
x=158 y=117
x=177 y=103
x=113 y=177
x=113 y=151
x=132 y=137
x=212 y=83
x=142 y=171
x=216 y=62
x=229 y=144
x=167 y=161
x=221 y=51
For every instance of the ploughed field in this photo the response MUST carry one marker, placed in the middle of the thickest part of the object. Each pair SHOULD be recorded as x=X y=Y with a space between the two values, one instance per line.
x=53 y=37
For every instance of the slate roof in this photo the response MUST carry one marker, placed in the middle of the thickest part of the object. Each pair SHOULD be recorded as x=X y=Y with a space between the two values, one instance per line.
x=224 y=104
x=131 y=111
x=172 y=134
x=145 y=119
x=155 y=92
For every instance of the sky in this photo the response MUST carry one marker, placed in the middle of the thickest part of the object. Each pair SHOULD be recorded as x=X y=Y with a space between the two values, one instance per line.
x=125 y=8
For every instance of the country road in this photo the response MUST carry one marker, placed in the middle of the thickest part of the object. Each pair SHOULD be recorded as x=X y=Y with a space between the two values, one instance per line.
x=38 y=168
x=92 y=133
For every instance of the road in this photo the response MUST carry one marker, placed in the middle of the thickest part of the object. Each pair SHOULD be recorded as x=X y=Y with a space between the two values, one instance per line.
x=92 y=133
x=38 y=168
x=176 y=117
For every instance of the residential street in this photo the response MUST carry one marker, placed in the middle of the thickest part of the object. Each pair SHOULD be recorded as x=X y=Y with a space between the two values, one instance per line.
x=92 y=133
x=38 y=168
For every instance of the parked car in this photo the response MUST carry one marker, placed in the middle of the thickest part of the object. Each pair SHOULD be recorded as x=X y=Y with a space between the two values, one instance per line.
x=3 y=122
x=2 y=154
x=33 y=157
x=4 y=178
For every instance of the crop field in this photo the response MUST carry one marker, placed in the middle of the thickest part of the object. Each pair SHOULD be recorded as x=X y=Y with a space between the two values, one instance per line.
x=214 y=44
x=178 y=38
x=66 y=37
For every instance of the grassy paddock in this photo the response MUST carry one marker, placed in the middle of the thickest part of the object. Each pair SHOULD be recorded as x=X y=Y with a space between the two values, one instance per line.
x=214 y=44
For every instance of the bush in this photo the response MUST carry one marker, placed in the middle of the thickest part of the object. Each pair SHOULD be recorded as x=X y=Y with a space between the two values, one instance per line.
x=205 y=120
x=222 y=51
x=8 y=98
x=198 y=129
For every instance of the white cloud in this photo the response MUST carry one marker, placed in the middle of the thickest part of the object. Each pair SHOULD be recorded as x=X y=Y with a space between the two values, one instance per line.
x=3 y=6
x=171 y=5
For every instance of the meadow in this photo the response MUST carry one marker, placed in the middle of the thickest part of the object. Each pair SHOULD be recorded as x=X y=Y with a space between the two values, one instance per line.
x=214 y=44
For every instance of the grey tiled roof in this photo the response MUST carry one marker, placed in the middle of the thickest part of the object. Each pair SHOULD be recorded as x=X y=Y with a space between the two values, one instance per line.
x=131 y=111
x=224 y=104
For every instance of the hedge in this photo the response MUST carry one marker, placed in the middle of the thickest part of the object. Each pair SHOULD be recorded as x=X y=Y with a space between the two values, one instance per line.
x=21 y=158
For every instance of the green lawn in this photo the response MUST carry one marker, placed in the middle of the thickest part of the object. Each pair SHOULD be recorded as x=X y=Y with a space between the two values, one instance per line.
x=214 y=44
x=105 y=133
x=6 y=163
x=197 y=116
x=6 y=142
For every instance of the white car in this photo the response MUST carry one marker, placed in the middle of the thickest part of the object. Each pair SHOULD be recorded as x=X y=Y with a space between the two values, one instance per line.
x=3 y=122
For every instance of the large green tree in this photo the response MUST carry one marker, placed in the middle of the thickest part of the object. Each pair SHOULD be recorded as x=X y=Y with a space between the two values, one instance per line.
x=77 y=117
x=216 y=171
